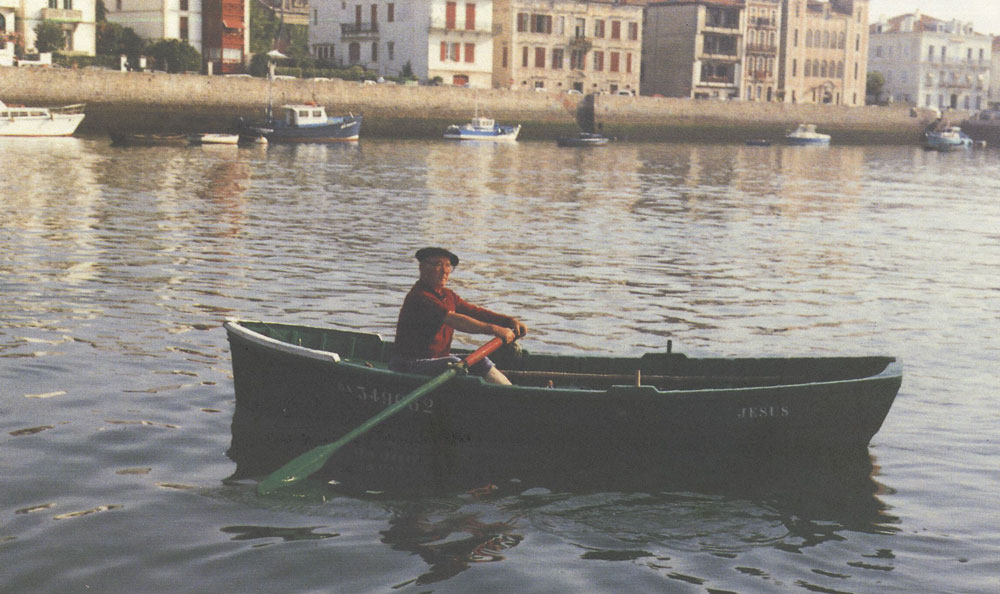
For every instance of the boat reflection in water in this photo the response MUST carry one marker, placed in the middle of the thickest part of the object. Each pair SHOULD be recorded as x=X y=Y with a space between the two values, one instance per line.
x=454 y=520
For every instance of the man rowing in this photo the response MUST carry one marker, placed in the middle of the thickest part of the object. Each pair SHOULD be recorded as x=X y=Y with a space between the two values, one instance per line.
x=432 y=312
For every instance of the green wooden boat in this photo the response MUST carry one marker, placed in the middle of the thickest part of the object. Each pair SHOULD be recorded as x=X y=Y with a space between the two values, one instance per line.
x=298 y=387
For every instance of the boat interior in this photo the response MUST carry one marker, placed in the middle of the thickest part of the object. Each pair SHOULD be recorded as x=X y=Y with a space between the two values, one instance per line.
x=663 y=370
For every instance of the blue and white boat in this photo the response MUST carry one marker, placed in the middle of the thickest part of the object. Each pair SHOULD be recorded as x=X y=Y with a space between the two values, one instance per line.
x=306 y=122
x=807 y=134
x=946 y=139
x=480 y=128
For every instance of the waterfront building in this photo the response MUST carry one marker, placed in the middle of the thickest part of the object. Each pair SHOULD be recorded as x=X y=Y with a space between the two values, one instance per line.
x=929 y=62
x=567 y=45
x=763 y=31
x=225 y=34
x=994 y=95
x=824 y=52
x=435 y=40
x=694 y=48
x=153 y=20
x=19 y=18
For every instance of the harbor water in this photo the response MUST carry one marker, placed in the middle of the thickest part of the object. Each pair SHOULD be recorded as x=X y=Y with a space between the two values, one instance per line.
x=118 y=267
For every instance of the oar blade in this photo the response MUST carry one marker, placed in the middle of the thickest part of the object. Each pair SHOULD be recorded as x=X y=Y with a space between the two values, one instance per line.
x=297 y=469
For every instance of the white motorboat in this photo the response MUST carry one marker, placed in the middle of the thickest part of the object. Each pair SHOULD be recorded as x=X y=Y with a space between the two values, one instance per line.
x=17 y=120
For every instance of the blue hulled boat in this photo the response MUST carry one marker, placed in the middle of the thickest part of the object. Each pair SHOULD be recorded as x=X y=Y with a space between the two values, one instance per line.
x=306 y=122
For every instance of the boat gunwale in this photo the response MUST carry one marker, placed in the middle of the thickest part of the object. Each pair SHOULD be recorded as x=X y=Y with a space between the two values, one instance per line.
x=892 y=371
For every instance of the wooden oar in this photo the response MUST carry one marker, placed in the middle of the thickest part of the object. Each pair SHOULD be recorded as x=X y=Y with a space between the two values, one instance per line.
x=311 y=461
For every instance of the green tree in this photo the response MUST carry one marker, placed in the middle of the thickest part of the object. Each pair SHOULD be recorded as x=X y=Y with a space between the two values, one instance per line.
x=114 y=39
x=49 y=37
x=175 y=55
x=874 y=85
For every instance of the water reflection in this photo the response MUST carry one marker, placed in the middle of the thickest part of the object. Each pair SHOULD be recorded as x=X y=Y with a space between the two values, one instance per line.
x=448 y=543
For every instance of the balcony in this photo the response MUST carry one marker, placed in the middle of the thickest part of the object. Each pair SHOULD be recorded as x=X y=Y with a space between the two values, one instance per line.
x=458 y=27
x=359 y=31
x=762 y=48
x=61 y=15
x=717 y=80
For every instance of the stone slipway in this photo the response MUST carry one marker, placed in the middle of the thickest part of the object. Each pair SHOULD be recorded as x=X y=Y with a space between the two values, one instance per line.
x=158 y=102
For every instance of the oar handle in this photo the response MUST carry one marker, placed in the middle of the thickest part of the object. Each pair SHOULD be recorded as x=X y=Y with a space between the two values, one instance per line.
x=482 y=352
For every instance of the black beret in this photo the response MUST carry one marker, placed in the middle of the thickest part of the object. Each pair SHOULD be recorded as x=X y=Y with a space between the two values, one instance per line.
x=431 y=252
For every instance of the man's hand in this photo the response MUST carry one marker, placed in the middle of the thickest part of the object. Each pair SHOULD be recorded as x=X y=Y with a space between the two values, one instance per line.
x=505 y=334
x=519 y=329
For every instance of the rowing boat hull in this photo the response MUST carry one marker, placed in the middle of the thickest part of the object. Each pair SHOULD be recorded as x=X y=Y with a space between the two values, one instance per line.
x=290 y=398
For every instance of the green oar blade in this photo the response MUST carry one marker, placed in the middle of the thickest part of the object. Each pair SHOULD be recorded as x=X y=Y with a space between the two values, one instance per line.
x=311 y=461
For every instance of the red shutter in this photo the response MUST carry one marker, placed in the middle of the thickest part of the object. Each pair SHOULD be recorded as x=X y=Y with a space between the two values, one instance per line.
x=470 y=52
x=449 y=15
x=456 y=50
x=539 y=57
x=444 y=51
x=470 y=16
x=628 y=62
x=616 y=29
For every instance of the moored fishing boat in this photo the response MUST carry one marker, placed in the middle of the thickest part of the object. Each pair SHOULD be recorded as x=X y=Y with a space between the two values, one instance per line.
x=946 y=139
x=306 y=122
x=583 y=139
x=806 y=134
x=142 y=139
x=482 y=128
x=18 y=120
x=298 y=387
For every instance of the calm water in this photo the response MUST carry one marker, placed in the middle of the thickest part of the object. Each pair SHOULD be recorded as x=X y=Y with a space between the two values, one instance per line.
x=118 y=266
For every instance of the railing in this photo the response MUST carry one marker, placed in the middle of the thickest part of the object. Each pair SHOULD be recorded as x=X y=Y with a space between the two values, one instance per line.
x=726 y=80
x=358 y=29
x=62 y=15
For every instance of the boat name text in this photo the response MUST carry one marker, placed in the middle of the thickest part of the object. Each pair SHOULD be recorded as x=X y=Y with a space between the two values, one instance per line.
x=763 y=412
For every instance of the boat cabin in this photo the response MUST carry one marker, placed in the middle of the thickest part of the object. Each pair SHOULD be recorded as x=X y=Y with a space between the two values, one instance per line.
x=306 y=114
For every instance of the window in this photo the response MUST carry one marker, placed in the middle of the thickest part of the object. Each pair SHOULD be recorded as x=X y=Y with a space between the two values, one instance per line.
x=539 y=57
x=391 y=50
x=455 y=54
x=930 y=53
x=354 y=52
x=581 y=28
x=470 y=17
x=374 y=51
x=616 y=29
x=599 y=28
x=470 y=52
x=449 y=15
x=390 y=13
x=576 y=58
x=633 y=31
x=598 y=61
x=503 y=57
x=808 y=69
x=374 y=15
x=183 y=4
x=628 y=63
x=557 y=59
x=524 y=56
x=613 y=63
x=183 y=28
x=809 y=38
x=795 y=67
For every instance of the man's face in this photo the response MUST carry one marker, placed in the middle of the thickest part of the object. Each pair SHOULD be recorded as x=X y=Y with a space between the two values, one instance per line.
x=435 y=271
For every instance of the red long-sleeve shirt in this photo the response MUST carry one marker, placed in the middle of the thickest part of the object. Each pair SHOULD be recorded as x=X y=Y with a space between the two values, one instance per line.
x=421 y=332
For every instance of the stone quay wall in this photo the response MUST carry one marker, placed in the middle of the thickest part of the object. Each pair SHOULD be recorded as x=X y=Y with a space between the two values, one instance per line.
x=159 y=102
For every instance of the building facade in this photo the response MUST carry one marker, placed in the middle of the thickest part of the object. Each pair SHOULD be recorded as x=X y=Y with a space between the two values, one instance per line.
x=695 y=48
x=565 y=45
x=762 y=38
x=225 y=34
x=824 y=52
x=153 y=20
x=928 y=62
x=19 y=18
x=435 y=40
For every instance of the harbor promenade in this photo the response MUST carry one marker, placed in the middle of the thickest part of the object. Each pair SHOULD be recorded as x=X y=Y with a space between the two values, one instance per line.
x=159 y=102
